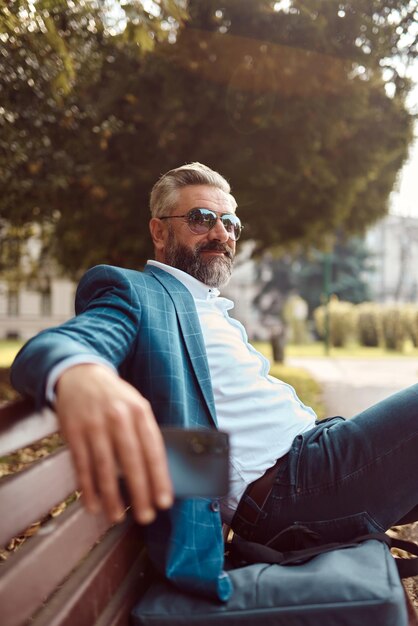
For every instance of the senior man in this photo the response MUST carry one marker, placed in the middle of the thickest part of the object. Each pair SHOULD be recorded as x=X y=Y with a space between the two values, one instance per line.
x=159 y=347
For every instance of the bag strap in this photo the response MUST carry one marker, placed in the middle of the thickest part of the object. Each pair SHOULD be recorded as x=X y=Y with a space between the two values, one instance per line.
x=251 y=552
x=245 y=552
x=406 y=567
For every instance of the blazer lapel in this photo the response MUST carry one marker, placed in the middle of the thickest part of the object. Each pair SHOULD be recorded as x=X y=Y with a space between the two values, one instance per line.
x=192 y=334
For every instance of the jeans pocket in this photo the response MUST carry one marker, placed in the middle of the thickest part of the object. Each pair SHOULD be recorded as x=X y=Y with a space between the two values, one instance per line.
x=342 y=528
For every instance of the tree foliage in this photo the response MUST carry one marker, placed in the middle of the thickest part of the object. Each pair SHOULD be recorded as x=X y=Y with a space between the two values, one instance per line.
x=299 y=104
x=350 y=265
x=342 y=272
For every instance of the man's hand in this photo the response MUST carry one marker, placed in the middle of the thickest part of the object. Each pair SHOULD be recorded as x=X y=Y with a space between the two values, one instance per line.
x=109 y=425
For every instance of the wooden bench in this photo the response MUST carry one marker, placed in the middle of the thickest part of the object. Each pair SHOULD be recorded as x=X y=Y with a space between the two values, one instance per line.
x=77 y=569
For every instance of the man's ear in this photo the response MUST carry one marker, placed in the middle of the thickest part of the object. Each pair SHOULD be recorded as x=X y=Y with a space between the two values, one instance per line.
x=158 y=233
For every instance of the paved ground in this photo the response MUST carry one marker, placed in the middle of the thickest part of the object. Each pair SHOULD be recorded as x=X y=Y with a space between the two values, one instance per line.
x=351 y=385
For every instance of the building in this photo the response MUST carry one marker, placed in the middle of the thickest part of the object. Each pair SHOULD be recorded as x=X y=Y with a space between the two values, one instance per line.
x=393 y=244
x=25 y=312
x=242 y=289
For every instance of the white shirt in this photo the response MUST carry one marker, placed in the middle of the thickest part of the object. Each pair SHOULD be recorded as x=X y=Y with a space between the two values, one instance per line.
x=261 y=414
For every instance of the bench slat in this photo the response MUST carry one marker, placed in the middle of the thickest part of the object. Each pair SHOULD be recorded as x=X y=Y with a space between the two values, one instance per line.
x=20 y=425
x=52 y=480
x=29 y=576
x=116 y=566
x=118 y=612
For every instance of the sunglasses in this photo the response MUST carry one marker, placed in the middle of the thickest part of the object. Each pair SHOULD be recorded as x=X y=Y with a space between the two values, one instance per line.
x=201 y=221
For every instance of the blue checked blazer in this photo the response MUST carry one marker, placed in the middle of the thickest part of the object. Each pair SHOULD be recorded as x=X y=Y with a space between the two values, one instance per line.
x=146 y=325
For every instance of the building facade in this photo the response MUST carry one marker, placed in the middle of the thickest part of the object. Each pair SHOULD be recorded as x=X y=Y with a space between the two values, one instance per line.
x=24 y=312
x=393 y=244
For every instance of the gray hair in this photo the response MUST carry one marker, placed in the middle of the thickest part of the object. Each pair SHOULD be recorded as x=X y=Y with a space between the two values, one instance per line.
x=164 y=194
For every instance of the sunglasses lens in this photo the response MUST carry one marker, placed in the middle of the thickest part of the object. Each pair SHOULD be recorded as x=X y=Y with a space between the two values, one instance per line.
x=201 y=220
x=232 y=226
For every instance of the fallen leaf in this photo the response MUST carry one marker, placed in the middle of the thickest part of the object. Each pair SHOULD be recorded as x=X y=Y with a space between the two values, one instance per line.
x=58 y=509
x=32 y=529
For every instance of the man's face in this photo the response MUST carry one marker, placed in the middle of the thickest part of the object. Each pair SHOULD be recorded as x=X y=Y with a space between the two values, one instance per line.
x=208 y=257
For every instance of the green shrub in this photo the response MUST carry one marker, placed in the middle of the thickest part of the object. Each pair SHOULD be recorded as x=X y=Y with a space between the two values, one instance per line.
x=393 y=326
x=411 y=322
x=369 y=324
x=342 y=321
x=295 y=313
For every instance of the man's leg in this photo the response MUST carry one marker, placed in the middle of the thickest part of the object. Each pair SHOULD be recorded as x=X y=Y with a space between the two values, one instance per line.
x=346 y=477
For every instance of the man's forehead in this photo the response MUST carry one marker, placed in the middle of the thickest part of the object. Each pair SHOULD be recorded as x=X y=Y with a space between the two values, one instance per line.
x=206 y=196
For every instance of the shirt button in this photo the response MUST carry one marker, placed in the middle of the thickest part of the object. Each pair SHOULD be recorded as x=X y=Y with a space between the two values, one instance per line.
x=214 y=506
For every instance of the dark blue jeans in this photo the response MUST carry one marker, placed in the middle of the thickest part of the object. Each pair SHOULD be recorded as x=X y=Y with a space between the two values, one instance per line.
x=344 y=478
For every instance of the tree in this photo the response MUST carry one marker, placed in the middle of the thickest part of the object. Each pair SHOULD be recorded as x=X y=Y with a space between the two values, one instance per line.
x=350 y=263
x=292 y=105
x=54 y=53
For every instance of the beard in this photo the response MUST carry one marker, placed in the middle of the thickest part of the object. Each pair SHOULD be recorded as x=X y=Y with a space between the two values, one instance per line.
x=213 y=271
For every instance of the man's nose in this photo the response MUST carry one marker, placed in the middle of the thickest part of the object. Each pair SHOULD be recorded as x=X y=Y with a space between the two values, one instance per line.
x=219 y=232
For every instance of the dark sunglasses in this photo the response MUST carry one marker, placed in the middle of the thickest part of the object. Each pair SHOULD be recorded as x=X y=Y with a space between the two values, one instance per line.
x=201 y=221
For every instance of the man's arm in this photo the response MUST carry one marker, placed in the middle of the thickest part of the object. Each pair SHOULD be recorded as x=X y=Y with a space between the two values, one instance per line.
x=108 y=424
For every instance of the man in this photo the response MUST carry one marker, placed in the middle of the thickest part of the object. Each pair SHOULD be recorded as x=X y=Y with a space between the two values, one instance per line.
x=158 y=347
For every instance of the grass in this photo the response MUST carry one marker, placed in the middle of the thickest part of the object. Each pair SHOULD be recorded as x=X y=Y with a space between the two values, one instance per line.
x=354 y=351
x=308 y=389
x=8 y=350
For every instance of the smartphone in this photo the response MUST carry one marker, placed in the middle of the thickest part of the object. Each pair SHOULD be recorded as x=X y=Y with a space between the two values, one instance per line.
x=198 y=461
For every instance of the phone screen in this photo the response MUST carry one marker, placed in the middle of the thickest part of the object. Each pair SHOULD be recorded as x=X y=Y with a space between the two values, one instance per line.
x=198 y=461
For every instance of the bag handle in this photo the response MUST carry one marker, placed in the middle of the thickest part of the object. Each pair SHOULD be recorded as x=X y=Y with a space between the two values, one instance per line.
x=245 y=552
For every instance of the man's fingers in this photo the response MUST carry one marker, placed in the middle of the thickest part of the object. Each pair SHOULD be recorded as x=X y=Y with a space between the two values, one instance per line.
x=156 y=461
x=84 y=471
x=106 y=475
x=131 y=461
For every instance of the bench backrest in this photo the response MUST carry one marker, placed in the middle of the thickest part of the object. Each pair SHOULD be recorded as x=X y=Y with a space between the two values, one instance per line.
x=76 y=569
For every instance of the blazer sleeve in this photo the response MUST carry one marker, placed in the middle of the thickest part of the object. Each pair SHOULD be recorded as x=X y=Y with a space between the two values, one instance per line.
x=106 y=324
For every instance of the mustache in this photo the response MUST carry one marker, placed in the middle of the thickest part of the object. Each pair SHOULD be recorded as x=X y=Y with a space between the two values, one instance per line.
x=217 y=247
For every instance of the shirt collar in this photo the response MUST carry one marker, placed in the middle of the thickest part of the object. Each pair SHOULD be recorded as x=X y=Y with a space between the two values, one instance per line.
x=199 y=290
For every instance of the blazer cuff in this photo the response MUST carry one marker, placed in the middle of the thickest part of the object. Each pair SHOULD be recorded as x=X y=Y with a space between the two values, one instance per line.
x=64 y=365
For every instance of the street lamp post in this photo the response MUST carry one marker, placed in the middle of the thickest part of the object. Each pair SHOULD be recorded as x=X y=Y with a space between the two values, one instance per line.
x=327 y=290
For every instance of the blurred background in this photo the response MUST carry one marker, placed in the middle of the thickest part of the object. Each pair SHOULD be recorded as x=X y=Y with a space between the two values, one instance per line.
x=308 y=107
